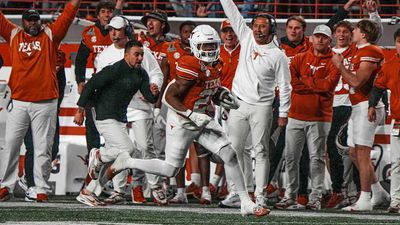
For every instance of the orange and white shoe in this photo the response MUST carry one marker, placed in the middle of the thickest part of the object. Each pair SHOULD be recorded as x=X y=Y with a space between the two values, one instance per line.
x=89 y=199
x=250 y=208
x=94 y=163
x=4 y=194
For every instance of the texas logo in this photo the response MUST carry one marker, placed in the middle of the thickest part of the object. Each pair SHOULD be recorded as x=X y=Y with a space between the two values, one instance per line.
x=29 y=47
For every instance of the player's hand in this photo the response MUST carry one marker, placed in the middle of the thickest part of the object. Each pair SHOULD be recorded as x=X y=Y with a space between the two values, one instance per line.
x=371 y=114
x=78 y=118
x=337 y=60
x=154 y=89
x=200 y=119
x=282 y=121
x=229 y=101
x=370 y=6
x=203 y=11
x=81 y=85
x=349 y=4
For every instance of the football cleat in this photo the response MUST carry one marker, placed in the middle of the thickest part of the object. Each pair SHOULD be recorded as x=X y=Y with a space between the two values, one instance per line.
x=89 y=199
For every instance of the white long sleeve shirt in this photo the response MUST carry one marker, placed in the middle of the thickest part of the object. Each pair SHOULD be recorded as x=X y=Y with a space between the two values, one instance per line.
x=260 y=67
x=137 y=109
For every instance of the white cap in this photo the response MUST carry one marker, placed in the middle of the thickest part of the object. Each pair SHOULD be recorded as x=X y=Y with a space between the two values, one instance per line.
x=117 y=22
x=323 y=29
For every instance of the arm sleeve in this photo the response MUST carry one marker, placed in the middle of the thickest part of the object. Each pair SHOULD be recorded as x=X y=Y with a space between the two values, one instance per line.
x=61 y=25
x=6 y=27
x=238 y=22
x=374 y=16
x=297 y=84
x=326 y=84
x=376 y=95
x=340 y=15
x=151 y=66
x=145 y=88
x=80 y=63
x=98 y=81
x=283 y=81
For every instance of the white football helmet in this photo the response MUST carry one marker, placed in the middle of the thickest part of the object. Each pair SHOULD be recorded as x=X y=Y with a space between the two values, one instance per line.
x=205 y=34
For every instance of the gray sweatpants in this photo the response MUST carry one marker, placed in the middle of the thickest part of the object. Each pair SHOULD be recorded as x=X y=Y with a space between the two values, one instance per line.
x=297 y=133
x=41 y=116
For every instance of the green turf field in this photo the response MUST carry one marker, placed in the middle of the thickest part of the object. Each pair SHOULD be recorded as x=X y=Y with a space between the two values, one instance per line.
x=68 y=211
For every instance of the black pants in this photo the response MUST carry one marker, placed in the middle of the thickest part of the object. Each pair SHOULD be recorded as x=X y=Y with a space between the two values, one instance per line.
x=28 y=140
x=92 y=135
x=341 y=115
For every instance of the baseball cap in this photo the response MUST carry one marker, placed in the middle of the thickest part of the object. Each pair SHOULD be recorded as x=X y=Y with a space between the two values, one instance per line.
x=225 y=24
x=158 y=15
x=31 y=14
x=117 y=22
x=323 y=29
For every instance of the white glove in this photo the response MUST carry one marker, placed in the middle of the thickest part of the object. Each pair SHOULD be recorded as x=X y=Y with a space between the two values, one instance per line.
x=156 y=112
x=200 y=119
x=228 y=101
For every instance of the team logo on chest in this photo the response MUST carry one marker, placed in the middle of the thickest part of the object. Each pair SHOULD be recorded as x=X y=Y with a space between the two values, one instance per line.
x=177 y=55
x=29 y=47
x=315 y=68
x=93 y=39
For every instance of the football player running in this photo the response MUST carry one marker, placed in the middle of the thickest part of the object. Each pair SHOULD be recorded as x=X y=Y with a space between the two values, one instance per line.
x=188 y=97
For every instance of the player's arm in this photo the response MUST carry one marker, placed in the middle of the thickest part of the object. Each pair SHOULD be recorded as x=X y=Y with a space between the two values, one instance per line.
x=6 y=27
x=361 y=76
x=341 y=14
x=173 y=98
x=118 y=8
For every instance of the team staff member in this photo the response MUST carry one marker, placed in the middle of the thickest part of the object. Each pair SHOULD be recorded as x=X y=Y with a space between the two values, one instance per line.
x=34 y=93
x=365 y=64
x=120 y=31
x=156 y=36
x=116 y=85
x=314 y=78
x=230 y=52
x=261 y=65
x=389 y=78
x=95 y=39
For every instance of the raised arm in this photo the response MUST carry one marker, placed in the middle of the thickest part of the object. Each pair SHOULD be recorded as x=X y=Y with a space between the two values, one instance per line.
x=238 y=22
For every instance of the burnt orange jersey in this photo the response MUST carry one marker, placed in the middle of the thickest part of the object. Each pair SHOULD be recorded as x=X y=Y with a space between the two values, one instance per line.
x=291 y=50
x=94 y=40
x=389 y=78
x=343 y=87
x=157 y=47
x=33 y=74
x=369 y=53
x=207 y=80
x=174 y=52
x=230 y=61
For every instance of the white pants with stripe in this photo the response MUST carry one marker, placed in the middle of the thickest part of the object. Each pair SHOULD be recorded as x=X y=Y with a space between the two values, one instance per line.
x=41 y=116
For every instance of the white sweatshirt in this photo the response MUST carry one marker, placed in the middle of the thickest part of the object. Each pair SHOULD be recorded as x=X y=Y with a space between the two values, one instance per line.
x=260 y=67
x=137 y=109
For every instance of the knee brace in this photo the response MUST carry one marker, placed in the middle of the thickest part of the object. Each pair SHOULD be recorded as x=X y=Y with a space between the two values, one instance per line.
x=228 y=155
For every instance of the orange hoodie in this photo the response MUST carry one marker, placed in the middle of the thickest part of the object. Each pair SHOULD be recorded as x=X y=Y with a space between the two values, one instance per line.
x=314 y=79
x=33 y=75
x=389 y=78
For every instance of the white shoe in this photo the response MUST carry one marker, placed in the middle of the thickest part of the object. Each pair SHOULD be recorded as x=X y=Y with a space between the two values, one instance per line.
x=250 y=208
x=358 y=206
x=205 y=197
x=159 y=195
x=382 y=199
x=231 y=201
x=179 y=199
x=94 y=163
x=261 y=201
x=30 y=194
x=23 y=183
x=89 y=199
